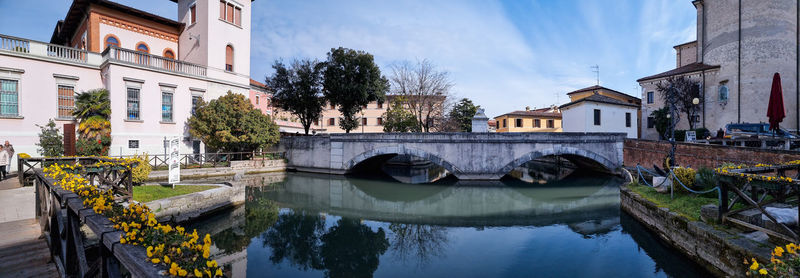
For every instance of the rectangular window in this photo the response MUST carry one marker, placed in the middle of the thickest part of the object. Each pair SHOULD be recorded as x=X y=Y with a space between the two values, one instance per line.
x=66 y=101
x=651 y=122
x=257 y=99
x=380 y=121
x=222 y=5
x=363 y=121
x=166 y=107
x=627 y=119
x=133 y=104
x=551 y=123
x=133 y=144
x=504 y=123
x=537 y=123
x=517 y=122
x=193 y=14
x=238 y=16
x=380 y=105
x=195 y=100
x=333 y=106
x=229 y=13
x=650 y=97
x=331 y=122
x=9 y=103
x=597 y=117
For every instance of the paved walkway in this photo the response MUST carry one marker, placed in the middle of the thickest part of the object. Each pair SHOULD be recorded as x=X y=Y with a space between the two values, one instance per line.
x=23 y=253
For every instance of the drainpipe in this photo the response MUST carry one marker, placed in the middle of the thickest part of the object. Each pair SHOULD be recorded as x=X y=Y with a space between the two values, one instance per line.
x=739 y=71
x=702 y=59
x=797 y=71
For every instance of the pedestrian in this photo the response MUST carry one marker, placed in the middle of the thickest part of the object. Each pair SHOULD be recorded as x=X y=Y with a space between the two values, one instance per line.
x=10 y=150
x=3 y=162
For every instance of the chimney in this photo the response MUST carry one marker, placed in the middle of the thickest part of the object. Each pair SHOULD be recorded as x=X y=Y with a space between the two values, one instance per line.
x=527 y=108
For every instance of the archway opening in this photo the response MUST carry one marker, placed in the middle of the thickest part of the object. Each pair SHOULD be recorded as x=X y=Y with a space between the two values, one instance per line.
x=404 y=168
x=554 y=168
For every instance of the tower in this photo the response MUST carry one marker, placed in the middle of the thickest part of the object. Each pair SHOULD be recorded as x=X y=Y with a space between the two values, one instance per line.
x=216 y=34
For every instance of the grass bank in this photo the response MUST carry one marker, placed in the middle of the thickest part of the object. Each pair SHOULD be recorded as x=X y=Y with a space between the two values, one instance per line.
x=147 y=193
x=685 y=204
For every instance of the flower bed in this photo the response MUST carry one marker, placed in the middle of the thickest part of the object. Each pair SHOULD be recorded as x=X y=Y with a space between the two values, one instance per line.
x=182 y=253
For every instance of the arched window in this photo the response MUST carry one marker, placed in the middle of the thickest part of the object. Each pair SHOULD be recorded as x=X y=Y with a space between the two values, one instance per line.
x=229 y=58
x=111 y=40
x=142 y=47
x=169 y=54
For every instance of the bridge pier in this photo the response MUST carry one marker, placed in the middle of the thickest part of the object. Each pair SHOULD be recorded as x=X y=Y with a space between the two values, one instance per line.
x=468 y=156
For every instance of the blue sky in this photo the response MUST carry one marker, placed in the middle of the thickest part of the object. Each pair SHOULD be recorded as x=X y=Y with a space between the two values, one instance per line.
x=504 y=55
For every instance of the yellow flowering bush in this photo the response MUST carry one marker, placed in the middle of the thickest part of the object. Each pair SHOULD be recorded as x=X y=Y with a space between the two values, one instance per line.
x=24 y=155
x=783 y=263
x=685 y=175
x=142 y=169
x=181 y=252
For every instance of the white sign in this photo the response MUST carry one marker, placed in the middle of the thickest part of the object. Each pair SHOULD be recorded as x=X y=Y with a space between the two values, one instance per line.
x=691 y=136
x=174 y=161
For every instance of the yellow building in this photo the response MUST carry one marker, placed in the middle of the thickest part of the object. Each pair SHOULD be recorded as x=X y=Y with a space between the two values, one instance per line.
x=603 y=91
x=537 y=120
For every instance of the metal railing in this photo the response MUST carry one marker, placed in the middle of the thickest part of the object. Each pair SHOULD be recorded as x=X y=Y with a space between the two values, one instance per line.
x=763 y=143
x=61 y=215
x=202 y=160
x=152 y=61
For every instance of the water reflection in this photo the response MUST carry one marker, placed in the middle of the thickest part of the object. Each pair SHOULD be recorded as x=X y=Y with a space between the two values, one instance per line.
x=326 y=226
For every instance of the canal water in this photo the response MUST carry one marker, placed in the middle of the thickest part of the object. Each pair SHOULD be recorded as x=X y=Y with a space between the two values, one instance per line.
x=306 y=225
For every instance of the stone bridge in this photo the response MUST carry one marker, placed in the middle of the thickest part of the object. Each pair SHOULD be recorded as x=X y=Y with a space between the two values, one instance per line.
x=468 y=156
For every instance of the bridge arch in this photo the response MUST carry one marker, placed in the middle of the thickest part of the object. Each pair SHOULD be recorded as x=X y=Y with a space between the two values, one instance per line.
x=580 y=157
x=390 y=152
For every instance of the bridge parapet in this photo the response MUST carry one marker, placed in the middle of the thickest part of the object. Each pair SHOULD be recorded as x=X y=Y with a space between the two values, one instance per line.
x=469 y=156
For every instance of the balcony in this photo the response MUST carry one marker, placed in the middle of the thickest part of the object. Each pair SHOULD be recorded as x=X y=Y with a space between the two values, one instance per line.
x=48 y=51
x=113 y=53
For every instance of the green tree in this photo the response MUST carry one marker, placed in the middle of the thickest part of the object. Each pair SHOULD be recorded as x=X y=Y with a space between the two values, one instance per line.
x=399 y=119
x=231 y=123
x=352 y=80
x=661 y=121
x=51 y=142
x=462 y=114
x=298 y=90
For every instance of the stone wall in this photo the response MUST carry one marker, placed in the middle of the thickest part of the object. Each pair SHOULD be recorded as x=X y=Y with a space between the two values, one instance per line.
x=721 y=253
x=254 y=166
x=191 y=206
x=649 y=152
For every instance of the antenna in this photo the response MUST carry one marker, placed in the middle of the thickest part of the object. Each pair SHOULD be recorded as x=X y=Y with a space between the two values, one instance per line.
x=596 y=70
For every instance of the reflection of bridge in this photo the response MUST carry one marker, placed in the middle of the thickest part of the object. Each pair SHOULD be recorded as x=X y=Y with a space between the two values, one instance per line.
x=469 y=156
x=574 y=201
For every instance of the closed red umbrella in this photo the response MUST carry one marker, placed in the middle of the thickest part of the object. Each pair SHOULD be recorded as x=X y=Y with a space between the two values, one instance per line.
x=775 y=110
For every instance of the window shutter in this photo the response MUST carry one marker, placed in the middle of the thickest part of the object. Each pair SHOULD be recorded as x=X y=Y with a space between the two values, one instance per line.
x=222 y=9
x=238 y=17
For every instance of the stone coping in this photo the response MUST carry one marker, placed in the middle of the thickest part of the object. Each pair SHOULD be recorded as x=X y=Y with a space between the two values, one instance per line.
x=191 y=206
x=720 y=252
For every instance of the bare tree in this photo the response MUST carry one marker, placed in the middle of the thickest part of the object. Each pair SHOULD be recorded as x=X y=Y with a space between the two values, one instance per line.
x=425 y=90
x=680 y=92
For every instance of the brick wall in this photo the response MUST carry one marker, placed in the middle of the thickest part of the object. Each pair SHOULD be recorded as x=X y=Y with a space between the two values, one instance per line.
x=649 y=152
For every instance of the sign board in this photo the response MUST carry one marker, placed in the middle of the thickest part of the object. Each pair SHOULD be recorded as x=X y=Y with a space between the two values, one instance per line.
x=174 y=161
x=691 y=136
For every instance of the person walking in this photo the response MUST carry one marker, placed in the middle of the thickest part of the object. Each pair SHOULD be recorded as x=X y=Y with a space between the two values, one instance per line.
x=3 y=163
x=10 y=150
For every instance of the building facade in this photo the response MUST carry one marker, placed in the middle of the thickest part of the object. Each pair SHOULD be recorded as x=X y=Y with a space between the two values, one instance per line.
x=600 y=113
x=536 y=120
x=739 y=46
x=155 y=69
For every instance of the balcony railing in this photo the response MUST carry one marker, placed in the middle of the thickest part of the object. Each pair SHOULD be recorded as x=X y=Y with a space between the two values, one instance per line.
x=152 y=61
x=35 y=48
x=59 y=52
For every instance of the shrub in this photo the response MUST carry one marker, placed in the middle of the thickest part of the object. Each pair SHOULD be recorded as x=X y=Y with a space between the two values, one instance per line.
x=142 y=170
x=685 y=176
x=23 y=155
x=705 y=179
x=92 y=147
x=51 y=142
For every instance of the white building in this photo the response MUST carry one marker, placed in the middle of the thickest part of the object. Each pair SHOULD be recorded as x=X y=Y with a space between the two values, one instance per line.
x=599 y=113
x=154 y=68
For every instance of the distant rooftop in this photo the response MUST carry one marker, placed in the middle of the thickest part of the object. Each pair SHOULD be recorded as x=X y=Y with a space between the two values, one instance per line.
x=598 y=87
x=693 y=67
x=600 y=99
